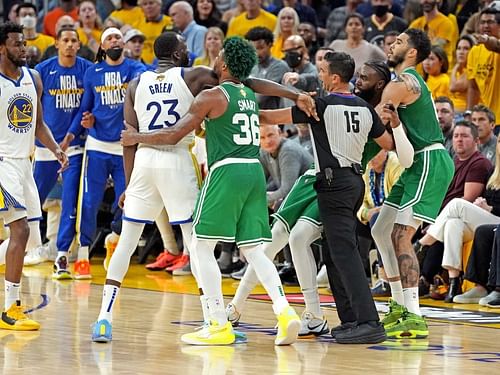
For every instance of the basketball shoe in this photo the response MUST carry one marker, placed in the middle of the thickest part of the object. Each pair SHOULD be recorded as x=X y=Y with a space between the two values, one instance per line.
x=211 y=334
x=311 y=325
x=233 y=315
x=36 y=256
x=16 y=320
x=110 y=243
x=102 y=331
x=180 y=263
x=81 y=269
x=164 y=260
x=409 y=326
x=61 y=271
x=394 y=314
x=288 y=327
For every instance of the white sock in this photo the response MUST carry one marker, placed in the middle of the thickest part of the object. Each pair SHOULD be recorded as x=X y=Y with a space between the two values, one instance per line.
x=12 y=291
x=62 y=254
x=34 y=239
x=397 y=292
x=109 y=296
x=83 y=253
x=411 y=300
x=311 y=298
x=204 y=308
x=268 y=276
x=3 y=250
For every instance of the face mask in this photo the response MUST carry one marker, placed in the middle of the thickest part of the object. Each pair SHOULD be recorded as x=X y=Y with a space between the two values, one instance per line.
x=114 y=53
x=293 y=59
x=380 y=10
x=28 y=22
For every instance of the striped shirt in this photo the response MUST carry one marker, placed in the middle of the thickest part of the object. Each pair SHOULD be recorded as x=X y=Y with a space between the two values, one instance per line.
x=346 y=123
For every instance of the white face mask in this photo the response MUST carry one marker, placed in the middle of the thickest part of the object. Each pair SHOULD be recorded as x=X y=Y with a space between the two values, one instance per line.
x=28 y=22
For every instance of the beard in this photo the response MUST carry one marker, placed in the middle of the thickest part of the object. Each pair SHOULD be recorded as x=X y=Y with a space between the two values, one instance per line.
x=16 y=61
x=367 y=95
x=395 y=61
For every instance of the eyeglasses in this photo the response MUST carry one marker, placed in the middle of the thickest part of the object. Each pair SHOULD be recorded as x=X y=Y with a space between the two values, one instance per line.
x=487 y=22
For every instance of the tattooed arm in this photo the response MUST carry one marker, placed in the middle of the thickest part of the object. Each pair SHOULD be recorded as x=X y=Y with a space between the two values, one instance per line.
x=404 y=89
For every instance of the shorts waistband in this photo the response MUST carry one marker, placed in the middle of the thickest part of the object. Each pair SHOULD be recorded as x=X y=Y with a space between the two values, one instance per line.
x=434 y=146
x=227 y=161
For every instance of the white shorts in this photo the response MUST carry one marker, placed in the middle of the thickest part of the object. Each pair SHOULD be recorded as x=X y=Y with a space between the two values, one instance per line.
x=161 y=178
x=18 y=193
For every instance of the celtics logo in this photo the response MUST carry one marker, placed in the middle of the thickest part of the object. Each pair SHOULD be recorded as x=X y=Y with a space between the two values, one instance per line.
x=20 y=113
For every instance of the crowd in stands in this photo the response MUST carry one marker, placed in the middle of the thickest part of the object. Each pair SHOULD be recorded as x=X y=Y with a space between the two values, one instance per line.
x=462 y=73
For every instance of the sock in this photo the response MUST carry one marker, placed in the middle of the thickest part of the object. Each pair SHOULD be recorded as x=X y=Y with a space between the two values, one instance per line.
x=109 y=296
x=83 y=253
x=311 y=298
x=12 y=291
x=61 y=254
x=268 y=276
x=3 y=251
x=411 y=300
x=204 y=308
x=397 y=292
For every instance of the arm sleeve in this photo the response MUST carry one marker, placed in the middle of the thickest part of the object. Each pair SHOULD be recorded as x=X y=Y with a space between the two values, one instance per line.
x=377 y=128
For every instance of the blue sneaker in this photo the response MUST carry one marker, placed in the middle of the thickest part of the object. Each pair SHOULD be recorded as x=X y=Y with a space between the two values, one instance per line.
x=240 y=337
x=101 y=332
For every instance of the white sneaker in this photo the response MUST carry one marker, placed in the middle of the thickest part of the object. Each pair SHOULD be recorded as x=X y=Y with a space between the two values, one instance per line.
x=322 y=278
x=312 y=325
x=490 y=297
x=37 y=255
x=233 y=315
x=471 y=296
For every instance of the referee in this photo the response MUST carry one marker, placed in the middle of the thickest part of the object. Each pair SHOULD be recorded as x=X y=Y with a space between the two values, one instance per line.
x=345 y=124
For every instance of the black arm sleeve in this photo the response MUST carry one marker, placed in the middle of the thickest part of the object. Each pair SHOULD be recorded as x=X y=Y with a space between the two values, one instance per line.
x=377 y=128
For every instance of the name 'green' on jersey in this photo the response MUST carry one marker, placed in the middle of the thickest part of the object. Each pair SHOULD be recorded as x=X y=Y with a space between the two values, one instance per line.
x=234 y=134
x=420 y=118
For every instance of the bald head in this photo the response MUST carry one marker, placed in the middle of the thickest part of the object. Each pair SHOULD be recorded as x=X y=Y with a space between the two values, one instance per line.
x=64 y=22
x=294 y=42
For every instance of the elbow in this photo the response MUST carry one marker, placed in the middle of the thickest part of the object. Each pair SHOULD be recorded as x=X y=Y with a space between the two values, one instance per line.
x=405 y=161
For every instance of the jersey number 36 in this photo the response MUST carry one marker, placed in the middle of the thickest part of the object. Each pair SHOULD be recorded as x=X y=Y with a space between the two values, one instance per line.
x=249 y=128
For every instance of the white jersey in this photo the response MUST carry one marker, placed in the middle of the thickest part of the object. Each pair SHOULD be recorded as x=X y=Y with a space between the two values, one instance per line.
x=161 y=100
x=18 y=109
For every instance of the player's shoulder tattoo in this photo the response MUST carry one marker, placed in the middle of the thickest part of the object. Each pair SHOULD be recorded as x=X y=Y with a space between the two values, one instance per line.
x=411 y=82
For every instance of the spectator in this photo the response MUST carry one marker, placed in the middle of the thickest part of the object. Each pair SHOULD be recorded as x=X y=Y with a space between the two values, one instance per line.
x=435 y=72
x=134 y=44
x=253 y=16
x=472 y=24
x=360 y=50
x=381 y=22
x=268 y=67
x=206 y=14
x=335 y=24
x=90 y=29
x=194 y=34
x=308 y=32
x=303 y=137
x=27 y=17
x=305 y=12
x=446 y=117
x=67 y=7
x=287 y=25
x=10 y=14
x=458 y=78
x=389 y=39
x=33 y=56
x=229 y=14
x=129 y=13
x=484 y=119
x=151 y=25
x=213 y=45
x=483 y=64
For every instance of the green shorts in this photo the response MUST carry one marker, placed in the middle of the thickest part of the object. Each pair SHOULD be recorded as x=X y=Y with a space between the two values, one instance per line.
x=301 y=203
x=423 y=186
x=232 y=205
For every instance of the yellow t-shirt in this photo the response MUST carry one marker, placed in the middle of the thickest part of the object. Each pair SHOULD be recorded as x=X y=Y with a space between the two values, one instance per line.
x=459 y=98
x=240 y=25
x=96 y=34
x=129 y=16
x=440 y=27
x=202 y=60
x=151 y=31
x=484 y=67
x=42 y=42
x=277 y=47
x=439 y=85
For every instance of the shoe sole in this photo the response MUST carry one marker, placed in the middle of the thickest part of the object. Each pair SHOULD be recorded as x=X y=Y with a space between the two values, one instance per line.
x=62 y=277
x=312 y=334
x=18 y=328
x=83 y=277
x=370 y=339
x=181 y=273
x=101 y=339
x=292 y=333
x=411 y=334
x=470 y=301
x=190 y=341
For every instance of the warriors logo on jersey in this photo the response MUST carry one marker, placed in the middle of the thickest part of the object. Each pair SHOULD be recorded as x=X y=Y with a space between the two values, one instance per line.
x=20 y=113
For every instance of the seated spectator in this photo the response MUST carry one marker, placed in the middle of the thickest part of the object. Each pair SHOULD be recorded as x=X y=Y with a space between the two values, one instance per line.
x=67 y=7
x=303 y=74
x=484 y=119
x=308 y=32
x=206 y=14
x=129 y=13
x=268 y=67
x=446 y=117
x=304 y=11
x=230 y=13
x=381 y=22
x=90 y=29
x=33 y=56
x=134 y=44
x=10 y=14
x=212 y=46
x=253 y=16
x=151 y=25
x=471 y=25
x=360 y=50
x=286 y=26
x=471 y=174
x=459 y=84
x=335 y=28
x=27 y=17
x=435 y=72
x=183 y=18
x=389 y=39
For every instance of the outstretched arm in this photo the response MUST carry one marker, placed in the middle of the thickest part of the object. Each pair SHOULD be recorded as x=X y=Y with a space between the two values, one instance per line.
x=275 y=116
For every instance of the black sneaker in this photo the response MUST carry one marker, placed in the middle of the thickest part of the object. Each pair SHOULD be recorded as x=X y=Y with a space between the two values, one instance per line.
x=288 y=276
x=342 y=327
x=233 y=267
x=365 y=333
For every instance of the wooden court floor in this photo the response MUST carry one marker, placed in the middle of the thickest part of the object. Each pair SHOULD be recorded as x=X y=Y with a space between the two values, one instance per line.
x=155 y=309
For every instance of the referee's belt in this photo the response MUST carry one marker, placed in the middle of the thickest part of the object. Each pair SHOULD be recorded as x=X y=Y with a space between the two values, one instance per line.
x=329 y=173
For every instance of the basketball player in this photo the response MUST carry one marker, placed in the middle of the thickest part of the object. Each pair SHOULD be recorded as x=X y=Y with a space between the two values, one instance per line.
x=419 y=192
x=232 y=204
x=22 y=120
x=105 y=85
x=62 y=78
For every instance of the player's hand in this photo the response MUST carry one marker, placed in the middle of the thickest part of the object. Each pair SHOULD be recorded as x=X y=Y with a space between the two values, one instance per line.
x=68 y=138
x=121 y=200
x=290 y=78
x=307 y=104
x=390 y=115
x=88 y=120
x=62 y=158
x=129 y=135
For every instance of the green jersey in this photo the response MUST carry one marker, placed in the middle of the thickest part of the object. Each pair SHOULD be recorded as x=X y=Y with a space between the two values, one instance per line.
x=419 y=117
x=234 y=134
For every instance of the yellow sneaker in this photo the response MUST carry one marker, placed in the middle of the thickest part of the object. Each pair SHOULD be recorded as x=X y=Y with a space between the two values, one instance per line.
x=211 y=334
x=14 y=319
x=110 y=243
x=288 y=327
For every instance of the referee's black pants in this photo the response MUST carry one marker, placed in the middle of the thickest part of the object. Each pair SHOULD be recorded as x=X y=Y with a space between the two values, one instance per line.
x=338 y=200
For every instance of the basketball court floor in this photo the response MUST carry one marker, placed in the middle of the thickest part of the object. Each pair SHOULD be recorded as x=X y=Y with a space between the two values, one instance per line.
x=155 y=309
